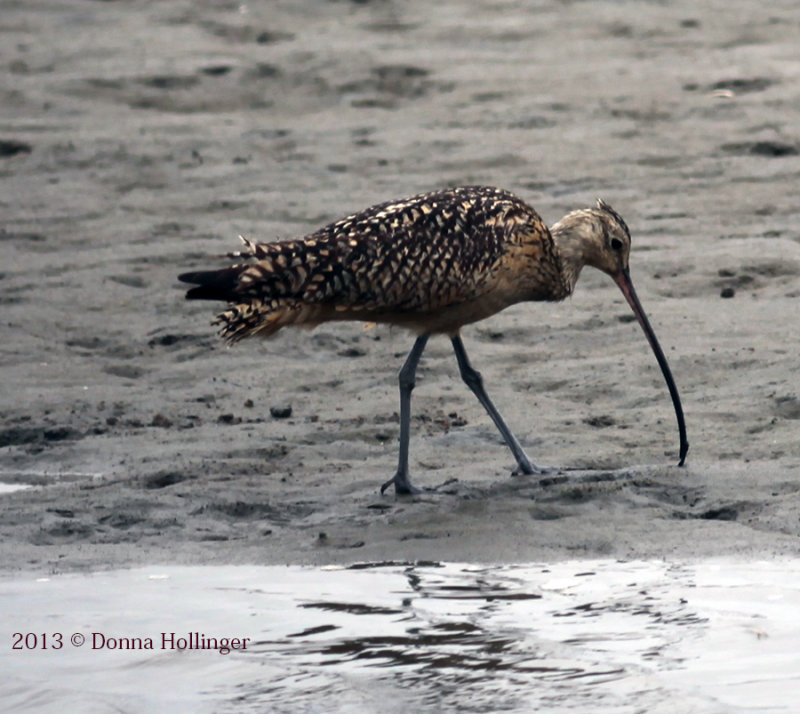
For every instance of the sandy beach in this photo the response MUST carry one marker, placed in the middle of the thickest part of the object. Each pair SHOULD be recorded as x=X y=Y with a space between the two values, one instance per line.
x=137 y=140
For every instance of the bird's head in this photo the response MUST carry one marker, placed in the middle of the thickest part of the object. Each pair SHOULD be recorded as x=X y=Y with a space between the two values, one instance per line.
x=610 y=251
x=596 y=236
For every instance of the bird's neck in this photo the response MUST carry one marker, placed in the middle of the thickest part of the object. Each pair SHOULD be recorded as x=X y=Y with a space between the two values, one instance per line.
x=570 y=244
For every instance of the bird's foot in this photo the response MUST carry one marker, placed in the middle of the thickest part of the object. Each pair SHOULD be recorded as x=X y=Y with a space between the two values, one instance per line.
x=405 y=488
x=402 y=485
x=526 y=468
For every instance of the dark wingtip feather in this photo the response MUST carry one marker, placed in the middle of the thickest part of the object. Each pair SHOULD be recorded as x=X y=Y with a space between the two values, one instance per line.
x=213 y=284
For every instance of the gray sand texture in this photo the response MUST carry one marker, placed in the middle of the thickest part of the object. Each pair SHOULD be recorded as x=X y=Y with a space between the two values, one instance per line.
x=137 y=140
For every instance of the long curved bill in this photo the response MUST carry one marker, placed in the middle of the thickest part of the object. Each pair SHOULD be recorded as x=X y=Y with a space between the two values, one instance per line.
x=623 y=279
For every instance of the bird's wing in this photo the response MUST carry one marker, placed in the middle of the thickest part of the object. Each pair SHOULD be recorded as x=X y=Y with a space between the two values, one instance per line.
x=417 y=254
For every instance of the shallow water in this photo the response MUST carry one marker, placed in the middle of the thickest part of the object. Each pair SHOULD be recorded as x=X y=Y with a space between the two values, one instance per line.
x=11 y=487
x=592 y=636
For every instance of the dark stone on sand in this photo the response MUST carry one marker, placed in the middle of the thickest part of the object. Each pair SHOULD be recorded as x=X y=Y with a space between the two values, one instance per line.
x=724 y=513
x=12 y=147
x=162 y=480
x=166 y=340
x=216 y=70
x=17 y=435
x=600 y=421
x=742 y=85
x=352 y=352
x=61 y=433
x=769 y=149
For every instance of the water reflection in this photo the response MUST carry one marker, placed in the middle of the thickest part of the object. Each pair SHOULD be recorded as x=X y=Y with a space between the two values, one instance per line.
x=490 y=638
x=598 y=636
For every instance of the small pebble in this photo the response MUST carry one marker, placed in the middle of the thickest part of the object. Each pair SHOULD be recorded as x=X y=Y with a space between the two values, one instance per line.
x=727 y=292
x=281 y=411
x=162 y=421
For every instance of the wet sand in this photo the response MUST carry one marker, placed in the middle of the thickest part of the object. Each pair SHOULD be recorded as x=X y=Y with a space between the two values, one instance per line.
x=137 y=140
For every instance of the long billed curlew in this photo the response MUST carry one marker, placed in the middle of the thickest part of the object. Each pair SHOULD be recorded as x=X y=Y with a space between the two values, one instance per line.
x=431 y=263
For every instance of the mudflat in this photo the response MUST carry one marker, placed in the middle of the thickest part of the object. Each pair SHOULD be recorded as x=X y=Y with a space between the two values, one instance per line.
x=137 y=140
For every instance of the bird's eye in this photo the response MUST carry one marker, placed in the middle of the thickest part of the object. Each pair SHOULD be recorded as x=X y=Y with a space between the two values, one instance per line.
x=616 y=244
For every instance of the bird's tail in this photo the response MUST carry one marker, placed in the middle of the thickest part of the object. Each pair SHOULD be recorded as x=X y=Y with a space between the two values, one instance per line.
x=260 y=302
x=213 y=284
x=224 y=284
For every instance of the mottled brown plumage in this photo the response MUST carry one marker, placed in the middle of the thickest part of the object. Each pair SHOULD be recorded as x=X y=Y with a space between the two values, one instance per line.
x=432 y=263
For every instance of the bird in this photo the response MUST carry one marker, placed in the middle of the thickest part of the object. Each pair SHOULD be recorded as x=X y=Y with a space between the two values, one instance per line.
x=431 y=263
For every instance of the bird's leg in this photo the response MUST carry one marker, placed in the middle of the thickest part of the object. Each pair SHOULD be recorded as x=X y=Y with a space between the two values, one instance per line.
x=472 y=378
x=401 y=481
